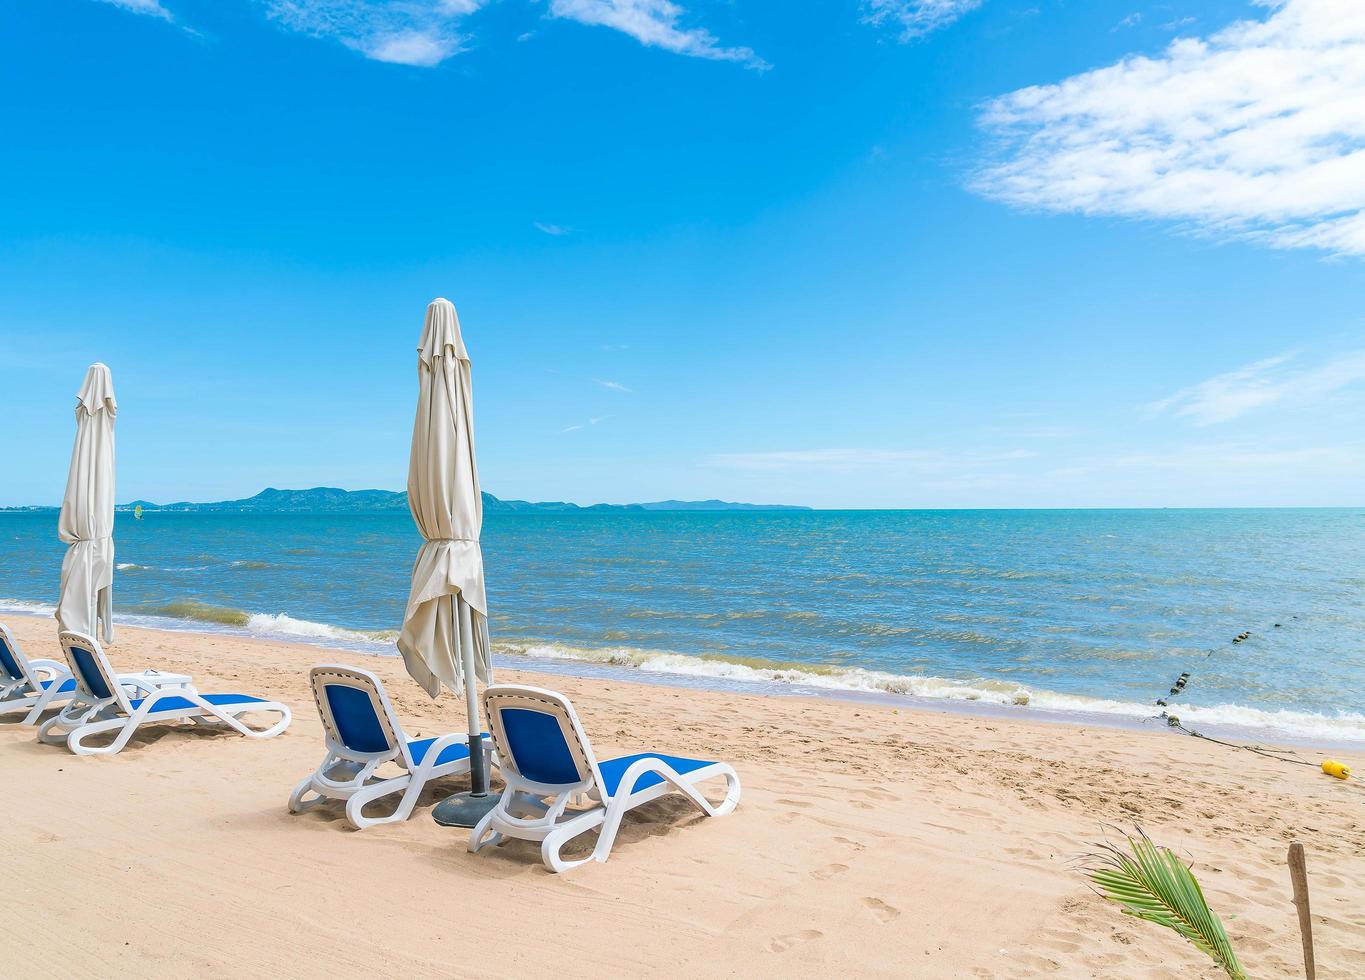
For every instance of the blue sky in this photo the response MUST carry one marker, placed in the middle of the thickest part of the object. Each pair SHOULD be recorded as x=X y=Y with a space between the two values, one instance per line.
x=922 y=253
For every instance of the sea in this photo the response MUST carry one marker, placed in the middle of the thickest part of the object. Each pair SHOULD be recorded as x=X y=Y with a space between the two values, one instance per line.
x=1086 y=615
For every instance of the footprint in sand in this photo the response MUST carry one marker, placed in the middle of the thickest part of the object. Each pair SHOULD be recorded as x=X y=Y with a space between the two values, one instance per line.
x=796 y=803
x=828 y=871
x=780 y=944
x=883 y=912
x=857 y=845
x=877 y=794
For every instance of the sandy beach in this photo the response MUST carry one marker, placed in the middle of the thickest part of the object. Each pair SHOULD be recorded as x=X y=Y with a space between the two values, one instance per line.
x=870 y=842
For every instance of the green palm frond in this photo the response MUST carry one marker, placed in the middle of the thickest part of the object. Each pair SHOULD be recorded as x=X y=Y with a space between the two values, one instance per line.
x=1153 y=884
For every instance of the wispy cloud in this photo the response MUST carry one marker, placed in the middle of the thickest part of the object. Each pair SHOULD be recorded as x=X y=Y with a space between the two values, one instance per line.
x=422 y=33
x=1255 y=132
x=1272 y=381
x=152 y=8
x=595 y=420
x=613 y=385
x=916 y=18
x=654 y=23
x=425 y=33
x=549 y=229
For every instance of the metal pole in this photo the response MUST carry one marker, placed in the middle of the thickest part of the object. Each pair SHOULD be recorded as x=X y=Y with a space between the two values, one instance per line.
x=467 y=809
x=478 y=772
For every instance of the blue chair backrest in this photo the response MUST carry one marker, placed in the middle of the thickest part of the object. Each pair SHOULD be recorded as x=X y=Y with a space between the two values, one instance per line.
x=9 y=663
x=356 y=712
x=540 y=739
x=89 y=673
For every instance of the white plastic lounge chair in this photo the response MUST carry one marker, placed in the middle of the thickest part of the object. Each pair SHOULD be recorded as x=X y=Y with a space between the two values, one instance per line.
x=544 y=754
x=363 y=734
x=30 y=686
x=104 y=705
x=35 y=686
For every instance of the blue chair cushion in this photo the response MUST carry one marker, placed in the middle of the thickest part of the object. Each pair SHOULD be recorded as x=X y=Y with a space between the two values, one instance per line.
x=451 y=753
x=537 y=747
x=67 y=685
x=356 y=720
x=90 y=673
x=8 y=662
x=613 y=769
x=180 y=704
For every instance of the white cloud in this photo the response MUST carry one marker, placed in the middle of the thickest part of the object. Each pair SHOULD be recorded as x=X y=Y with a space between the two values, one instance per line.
x=613 y=385
x=426 y=32
x=413 y=32
x=1255 y=132
x=1273 y=381
x=549 y=229
x=655 y=23
x=150 y=7
x=916 y=18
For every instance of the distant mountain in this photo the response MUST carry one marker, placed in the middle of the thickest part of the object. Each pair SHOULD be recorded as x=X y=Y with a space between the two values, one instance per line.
x=330 y=500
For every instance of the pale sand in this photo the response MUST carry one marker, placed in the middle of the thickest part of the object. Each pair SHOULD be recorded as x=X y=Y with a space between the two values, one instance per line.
x=870 y=842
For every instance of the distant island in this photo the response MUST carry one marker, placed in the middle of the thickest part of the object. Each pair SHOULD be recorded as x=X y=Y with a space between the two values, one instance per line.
x=332 y=500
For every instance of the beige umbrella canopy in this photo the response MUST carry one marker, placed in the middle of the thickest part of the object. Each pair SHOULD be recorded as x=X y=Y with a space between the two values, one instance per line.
x=87 y=519
x=444 y=640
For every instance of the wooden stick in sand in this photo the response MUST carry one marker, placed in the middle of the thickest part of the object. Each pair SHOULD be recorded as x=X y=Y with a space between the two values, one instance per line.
x=1298 y=874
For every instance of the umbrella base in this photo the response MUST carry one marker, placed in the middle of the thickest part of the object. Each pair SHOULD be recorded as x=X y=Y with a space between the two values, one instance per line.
x=464 y=809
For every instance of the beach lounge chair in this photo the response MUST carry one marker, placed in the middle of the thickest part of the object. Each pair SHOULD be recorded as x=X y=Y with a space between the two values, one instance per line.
x=363 y=734
x=104 y=705
x=544 y=755
x=35 y=686
x=30 y=686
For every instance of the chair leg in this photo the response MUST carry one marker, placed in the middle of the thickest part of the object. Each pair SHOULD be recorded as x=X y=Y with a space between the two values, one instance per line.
x=476 y=836
x=355 y=806
x=297 y=803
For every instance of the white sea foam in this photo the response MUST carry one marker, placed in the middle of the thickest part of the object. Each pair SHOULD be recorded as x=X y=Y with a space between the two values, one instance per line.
x=279 y=624
x=26 y=608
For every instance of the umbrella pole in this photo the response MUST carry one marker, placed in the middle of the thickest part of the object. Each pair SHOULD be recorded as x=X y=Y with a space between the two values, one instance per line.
x=478 y=771
x=467 y=809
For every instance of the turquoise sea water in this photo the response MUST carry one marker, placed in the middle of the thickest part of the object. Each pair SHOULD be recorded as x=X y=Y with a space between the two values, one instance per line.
x=1064 y=611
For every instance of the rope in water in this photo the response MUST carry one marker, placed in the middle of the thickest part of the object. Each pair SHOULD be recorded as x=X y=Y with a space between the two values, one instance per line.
x=1178 y=688
x=1180 y=682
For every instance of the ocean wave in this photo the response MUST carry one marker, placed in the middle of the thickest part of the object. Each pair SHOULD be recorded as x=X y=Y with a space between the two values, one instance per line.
x=279 y=624
x=1341 y=726
x=25 y=607
x=196 y=611
x=753 y=672
x=265 y=624
x=128 y=566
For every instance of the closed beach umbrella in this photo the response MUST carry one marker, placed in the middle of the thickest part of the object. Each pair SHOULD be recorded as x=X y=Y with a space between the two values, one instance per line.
x=444 y=640
x=87 y=519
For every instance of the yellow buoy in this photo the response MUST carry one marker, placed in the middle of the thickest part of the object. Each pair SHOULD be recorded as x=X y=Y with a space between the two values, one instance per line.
x=1338 y=769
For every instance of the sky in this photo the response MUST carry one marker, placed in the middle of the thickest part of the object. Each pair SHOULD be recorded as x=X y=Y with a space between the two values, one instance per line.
x=843 y=253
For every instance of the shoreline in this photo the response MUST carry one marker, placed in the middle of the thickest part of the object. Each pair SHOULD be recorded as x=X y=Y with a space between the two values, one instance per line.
x=871 y=841
x=333 y=638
